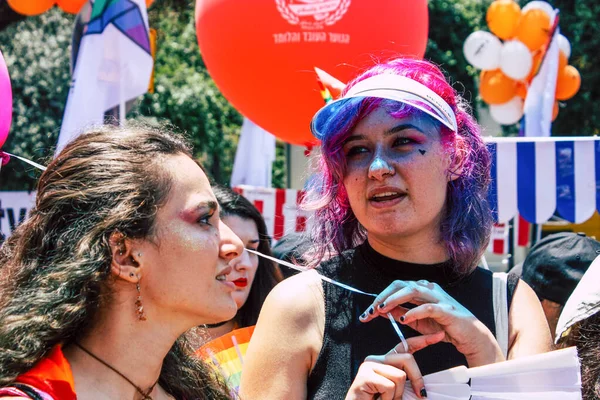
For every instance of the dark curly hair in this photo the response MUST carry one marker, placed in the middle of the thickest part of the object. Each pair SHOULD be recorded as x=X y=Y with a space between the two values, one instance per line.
x=55 y=268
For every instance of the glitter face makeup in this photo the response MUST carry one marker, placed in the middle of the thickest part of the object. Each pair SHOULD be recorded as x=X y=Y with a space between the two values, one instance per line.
x=336 y=224
x=385 y=174
x=186 y=264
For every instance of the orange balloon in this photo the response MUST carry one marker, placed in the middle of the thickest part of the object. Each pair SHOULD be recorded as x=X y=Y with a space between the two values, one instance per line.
x=555 y=111
x=562 y=60
x=70 y=6
x=30 y=7
x=568 y=83
x=533 y=28
x=495 y=87
x=264 y=61
x=503 y=18
x=521 y=90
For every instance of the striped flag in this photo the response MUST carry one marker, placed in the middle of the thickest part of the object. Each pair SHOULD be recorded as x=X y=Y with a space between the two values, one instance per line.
x=279 y=208
x=537 y=177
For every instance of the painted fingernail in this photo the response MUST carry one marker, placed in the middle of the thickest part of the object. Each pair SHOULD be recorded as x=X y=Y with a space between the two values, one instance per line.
x=363 y=316
x=402 y=318
x=371 y=310
x=382 y=305
x=423 y=392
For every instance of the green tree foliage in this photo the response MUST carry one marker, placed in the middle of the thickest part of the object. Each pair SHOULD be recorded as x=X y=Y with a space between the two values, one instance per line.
x=580 y=116
x=186 y=96
x=36 y=50
x=450 y=22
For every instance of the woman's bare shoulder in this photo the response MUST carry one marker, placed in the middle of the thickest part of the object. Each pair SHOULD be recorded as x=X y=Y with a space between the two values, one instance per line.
x=296 y=298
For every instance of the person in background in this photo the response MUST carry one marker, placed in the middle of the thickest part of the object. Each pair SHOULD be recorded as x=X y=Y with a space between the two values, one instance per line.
x=99 y=286
x=400 y=197
x=579 y=325
x=293 y=247
x=253 y=276
x=554 y=267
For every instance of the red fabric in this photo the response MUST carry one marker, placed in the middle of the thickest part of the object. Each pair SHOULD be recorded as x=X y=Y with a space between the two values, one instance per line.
x=523 y=232
x=52 y=375
x=498 y=246
x=279 y=219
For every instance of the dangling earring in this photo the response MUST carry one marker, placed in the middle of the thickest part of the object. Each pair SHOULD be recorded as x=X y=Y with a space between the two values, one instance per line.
x=139 y=307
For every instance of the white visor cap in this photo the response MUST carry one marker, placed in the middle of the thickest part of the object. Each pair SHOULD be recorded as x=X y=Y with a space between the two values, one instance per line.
x=390 y=87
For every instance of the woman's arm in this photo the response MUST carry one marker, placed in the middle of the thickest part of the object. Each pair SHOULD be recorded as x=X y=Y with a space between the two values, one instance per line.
x=528 y=331
x=287 y=340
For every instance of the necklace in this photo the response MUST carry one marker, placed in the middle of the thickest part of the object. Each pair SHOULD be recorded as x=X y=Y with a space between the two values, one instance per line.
x=218 y=324
x=145 y=395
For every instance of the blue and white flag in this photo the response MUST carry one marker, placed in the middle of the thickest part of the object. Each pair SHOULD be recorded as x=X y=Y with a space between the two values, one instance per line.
x=538 y=177
x=113 y=66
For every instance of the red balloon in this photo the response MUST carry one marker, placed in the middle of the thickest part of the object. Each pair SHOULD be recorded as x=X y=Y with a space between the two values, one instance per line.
x=262 y=53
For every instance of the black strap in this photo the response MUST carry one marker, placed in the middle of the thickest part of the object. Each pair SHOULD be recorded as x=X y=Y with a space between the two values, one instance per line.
x=28 y=390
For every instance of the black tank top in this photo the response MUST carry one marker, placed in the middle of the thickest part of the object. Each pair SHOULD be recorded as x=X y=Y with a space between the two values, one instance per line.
x=347 y=341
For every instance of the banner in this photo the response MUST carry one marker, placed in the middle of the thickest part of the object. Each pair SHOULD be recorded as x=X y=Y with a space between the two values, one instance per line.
x=537 y=177
x=14 y=208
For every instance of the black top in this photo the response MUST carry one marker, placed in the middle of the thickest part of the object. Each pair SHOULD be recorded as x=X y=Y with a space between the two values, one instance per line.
x=347 y=341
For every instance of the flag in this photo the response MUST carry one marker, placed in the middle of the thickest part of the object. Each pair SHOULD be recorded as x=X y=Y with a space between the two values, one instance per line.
x=540 y=96
x=253 y=164
x=114 y=64
x=499 y=239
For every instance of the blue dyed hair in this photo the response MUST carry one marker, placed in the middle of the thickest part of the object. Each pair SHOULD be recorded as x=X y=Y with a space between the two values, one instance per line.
x=467 y=220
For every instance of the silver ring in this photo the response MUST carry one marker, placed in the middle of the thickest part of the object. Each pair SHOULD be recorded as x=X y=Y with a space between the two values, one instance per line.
x=395 y=351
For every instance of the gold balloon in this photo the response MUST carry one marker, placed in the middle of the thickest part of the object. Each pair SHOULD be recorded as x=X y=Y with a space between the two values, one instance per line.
x=70 y=6
x=495 y=87
x=30 y=7
x=533 y=29
x=503 y=18
x=568 y=83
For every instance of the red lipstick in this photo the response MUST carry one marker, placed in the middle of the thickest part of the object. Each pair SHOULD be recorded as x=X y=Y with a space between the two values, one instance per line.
x=241 y=282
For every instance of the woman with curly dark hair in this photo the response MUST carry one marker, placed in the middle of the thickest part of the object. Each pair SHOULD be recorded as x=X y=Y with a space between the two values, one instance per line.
x=253 y=277
x=123 y=253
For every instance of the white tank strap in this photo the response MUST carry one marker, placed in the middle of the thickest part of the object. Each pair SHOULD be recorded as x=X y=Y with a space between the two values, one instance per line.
x=500 y=296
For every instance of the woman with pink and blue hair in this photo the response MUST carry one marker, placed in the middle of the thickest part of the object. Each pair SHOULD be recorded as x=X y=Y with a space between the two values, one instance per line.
x=400 y=210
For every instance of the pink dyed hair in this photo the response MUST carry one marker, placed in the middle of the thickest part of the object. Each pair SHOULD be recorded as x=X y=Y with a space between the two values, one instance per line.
x=467 y=219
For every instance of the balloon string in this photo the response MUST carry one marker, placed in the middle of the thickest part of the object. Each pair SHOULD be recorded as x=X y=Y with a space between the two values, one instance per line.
x=342 y=285
x=32 y=163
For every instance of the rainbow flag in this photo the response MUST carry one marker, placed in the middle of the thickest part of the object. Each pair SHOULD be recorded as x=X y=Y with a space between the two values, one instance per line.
x=226 y=354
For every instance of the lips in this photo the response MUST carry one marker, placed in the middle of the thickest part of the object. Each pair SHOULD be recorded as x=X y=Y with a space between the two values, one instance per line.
x=241 y=282
x=385 y=194
x=222 y=276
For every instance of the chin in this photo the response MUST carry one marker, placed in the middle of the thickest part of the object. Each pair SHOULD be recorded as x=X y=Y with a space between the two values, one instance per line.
x=223 y=312
x=240 y=299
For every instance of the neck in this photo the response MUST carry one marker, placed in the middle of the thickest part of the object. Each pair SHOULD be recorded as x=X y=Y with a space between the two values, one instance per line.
x=217 y=331
x=134 y=348
x=423 y=249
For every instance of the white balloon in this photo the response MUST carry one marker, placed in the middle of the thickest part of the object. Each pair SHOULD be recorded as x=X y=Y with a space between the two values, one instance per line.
x=482 y=50
x=515 y=60
x=542 y=5
x=508 y=113
x=564 y=45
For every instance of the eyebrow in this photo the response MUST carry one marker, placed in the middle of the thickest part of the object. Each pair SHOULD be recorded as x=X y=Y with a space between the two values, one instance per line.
x=391 y=131
x=211 y=205
x=402 y=127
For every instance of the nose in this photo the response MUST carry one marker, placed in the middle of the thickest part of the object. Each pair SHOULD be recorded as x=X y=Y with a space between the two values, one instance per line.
x=230 y=246
x=242 y=262
x=379 y=168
